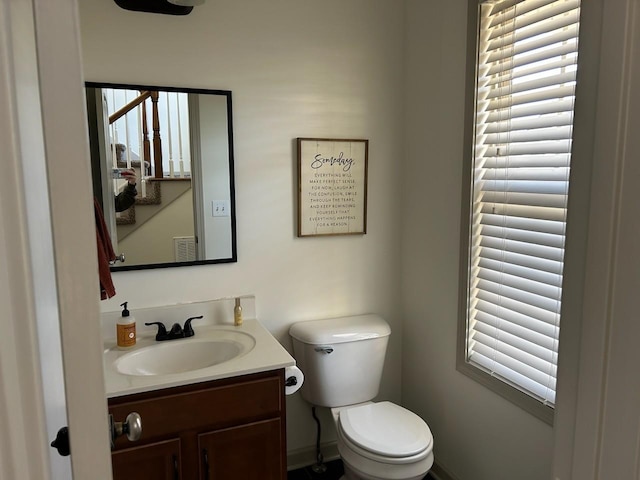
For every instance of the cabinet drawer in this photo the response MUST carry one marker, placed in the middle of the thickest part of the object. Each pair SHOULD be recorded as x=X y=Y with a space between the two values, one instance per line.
x=209 y=405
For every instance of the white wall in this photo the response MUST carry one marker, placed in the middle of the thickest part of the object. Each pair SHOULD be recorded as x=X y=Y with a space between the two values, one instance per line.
x=214 y=164
x=478 y=435
x=152 y=242
x=331 y=69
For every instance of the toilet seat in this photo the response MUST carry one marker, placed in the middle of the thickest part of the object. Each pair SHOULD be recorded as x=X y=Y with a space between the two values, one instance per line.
x=385 y=432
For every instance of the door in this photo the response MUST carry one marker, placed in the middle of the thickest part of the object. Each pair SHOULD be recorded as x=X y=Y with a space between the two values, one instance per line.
x=246 y=452
x=106 y=166
x=48 y=280
x=68 y=172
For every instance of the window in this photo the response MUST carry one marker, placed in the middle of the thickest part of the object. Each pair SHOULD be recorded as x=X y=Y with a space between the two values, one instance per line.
x=525 y=82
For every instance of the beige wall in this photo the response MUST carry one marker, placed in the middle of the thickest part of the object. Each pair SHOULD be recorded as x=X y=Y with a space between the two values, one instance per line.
x=152 y=242
x=296 y=69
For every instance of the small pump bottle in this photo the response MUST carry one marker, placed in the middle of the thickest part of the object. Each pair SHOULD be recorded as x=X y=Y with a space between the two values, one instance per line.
x=126 y=329
x=237 y=313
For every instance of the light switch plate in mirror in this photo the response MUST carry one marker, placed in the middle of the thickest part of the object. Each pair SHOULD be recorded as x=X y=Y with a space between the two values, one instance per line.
x=176 y=145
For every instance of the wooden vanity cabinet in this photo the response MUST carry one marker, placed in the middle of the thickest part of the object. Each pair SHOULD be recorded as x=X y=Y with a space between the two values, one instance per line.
x=230 y=429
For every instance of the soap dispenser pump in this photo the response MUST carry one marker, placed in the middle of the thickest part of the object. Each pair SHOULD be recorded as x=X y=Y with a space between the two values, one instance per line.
x=126 y=329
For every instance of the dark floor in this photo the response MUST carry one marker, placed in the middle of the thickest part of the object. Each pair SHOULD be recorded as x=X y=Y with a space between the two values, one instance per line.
x=334 y=472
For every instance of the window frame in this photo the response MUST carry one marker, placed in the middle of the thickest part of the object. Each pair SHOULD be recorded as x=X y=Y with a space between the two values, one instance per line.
x=530 y=404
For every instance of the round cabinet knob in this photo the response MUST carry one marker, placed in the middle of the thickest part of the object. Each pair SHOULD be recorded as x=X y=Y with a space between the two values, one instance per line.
x=132 y=427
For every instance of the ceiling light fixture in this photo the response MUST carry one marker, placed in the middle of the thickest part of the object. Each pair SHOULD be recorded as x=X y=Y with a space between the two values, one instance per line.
x=168 y=7
x=186 y=3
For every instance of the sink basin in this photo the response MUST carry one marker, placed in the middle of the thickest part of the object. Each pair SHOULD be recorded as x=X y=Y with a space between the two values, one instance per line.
x=185 y=355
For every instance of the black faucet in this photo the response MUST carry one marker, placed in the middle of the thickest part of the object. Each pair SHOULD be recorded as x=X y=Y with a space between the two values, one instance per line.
x=176 y=331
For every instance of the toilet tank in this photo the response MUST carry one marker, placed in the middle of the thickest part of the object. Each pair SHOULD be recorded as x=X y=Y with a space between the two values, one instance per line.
x=341 y=358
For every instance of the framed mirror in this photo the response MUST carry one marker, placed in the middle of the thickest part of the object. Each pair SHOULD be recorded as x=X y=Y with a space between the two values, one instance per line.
x=162 y=170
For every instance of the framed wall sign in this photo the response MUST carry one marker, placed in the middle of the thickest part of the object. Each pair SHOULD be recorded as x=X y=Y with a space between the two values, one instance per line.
x=332 y=186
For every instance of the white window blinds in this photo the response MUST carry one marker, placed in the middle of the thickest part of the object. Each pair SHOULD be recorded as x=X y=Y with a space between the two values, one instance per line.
x=524 y=116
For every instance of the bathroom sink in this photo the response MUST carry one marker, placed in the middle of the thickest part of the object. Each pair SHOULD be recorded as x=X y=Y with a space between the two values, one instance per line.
x=185 y=355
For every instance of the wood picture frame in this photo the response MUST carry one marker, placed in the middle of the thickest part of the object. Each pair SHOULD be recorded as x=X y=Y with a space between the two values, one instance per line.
x=332 y=186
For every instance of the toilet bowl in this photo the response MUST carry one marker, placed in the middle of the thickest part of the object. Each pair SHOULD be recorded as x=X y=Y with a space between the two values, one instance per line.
x=342 y=360
x=382 y=441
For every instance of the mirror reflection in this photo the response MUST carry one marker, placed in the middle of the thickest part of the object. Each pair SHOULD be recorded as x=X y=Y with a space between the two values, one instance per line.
x=162 y=169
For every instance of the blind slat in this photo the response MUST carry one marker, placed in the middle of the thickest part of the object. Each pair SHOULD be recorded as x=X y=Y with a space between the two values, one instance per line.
x=562 y=62
x=534 y=84
x=516 y=282
x=514 y=364
x=522 y=17
x=514 y=246
x=528 y=59
x=543 y=392
x=511 y=46
x=559 y=160
x=534 y=327
x=545 y=360
x=550 y=94
x=517 y=198
x=541 y=174
x=533 y=237
x=523 y=260
x=526 y=110
x=532 y=224
x=525 y=211
x=525 y=309
x=563 y=23
x=524 y=186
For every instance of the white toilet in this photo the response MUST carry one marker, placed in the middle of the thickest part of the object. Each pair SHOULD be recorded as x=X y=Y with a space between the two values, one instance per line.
x=342 y=360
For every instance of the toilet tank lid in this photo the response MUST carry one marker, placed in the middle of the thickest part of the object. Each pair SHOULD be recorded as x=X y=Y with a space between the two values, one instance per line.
x=340 y=330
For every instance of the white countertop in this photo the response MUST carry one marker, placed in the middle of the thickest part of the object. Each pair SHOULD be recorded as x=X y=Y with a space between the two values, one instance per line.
x=266 y=355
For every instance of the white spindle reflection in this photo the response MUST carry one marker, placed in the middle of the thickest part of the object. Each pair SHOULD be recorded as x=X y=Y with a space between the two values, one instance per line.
x=114 y=141
x=180 y=136
x=126 y=128
x=169 y=135
x=143 y=165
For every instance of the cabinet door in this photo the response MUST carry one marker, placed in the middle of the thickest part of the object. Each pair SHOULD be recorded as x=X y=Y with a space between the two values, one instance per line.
x=155 y=461
x=248 y=452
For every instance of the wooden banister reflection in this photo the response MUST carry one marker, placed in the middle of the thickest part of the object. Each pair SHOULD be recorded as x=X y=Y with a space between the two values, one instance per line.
x=129 y=106
x=157 y=142
x=155 y=123
x=146 y=144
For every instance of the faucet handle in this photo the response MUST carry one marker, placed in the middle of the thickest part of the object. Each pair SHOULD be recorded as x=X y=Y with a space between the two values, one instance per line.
x=162 y=330
x=188 y=329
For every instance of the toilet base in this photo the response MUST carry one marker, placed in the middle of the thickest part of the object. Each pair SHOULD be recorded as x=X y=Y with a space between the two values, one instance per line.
x=351 y=473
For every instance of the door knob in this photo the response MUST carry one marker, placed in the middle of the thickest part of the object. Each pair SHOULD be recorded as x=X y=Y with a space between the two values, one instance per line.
x=61 y=443
x=131 y=427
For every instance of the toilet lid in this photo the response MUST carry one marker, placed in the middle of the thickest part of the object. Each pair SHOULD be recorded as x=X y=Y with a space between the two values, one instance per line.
x=385 y=429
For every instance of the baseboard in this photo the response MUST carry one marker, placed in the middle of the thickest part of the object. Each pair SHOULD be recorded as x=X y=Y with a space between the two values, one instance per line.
x=440 y=473
x=303 y=457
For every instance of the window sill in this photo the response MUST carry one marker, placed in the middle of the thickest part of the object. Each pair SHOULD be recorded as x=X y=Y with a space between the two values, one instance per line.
x=515 y=396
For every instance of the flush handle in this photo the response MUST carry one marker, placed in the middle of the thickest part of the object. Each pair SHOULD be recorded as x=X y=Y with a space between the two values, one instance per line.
x=325 y=350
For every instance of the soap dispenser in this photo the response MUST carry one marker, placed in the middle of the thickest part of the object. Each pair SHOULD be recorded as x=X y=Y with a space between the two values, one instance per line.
x=126 y=329
x=237 y=313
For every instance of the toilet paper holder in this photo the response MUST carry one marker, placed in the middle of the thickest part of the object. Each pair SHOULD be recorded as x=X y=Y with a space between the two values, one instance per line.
x=293 y=380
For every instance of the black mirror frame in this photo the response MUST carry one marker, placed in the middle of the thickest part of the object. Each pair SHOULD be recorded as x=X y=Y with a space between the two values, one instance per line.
x=232 y=190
